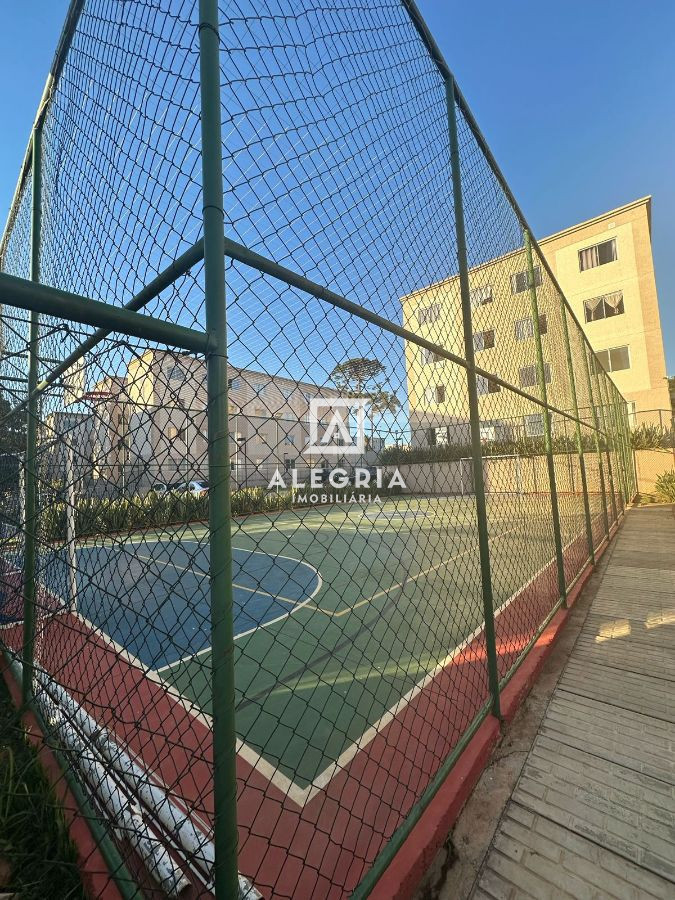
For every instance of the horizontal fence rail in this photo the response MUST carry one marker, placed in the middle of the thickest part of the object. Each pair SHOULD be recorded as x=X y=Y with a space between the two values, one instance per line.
x=301 y=445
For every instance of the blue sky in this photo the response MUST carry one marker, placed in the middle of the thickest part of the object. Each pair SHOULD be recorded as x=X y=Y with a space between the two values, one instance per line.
x=577 y=101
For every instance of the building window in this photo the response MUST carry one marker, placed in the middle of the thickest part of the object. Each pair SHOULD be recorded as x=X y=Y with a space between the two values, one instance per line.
x=525 y=328
x=428 y=314
x=287 y=392
x=484 y=340
x=479 y=296
x=604 y=307
x=176 y=373
x=528 y=375
x=490 y=430
x=597 y=255
x=435 y=395
x=534 y=424
x=613 y=360
x=290 y=439
x=233 y=384
x=519 y=280
x=486 y=385
x=307 y=396
x=429 y=357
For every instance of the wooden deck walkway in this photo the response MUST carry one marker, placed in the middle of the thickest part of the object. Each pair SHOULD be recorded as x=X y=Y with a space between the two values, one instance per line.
x=593 y=812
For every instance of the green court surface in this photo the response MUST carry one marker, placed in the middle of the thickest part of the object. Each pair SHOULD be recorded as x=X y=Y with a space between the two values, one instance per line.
x=399 y=590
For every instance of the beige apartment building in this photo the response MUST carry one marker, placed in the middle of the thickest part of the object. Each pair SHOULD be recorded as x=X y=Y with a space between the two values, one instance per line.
x=604 y=267
x=150 y=425
x=159 y=421
x=606 y=270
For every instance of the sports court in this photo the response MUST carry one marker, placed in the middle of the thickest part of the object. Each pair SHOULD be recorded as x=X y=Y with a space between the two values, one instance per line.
x=331 y=606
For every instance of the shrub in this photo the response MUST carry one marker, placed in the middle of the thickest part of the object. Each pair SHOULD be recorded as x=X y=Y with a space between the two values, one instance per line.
x=523 y=447
x=652 y=437
x=665 y=486
x=104 y=515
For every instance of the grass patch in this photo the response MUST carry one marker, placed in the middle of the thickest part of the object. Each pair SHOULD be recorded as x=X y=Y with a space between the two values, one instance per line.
x=37 y=858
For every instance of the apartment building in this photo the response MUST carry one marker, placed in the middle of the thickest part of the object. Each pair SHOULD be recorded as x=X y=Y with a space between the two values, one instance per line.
x=605 y=269
x=166 y=424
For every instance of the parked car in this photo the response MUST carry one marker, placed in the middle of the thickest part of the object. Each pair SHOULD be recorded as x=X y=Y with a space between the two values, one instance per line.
x=197 y=488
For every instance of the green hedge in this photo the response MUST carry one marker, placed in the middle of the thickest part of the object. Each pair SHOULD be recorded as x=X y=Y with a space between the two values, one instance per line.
x=109 y=515
x=103 y=516
x=400 y=456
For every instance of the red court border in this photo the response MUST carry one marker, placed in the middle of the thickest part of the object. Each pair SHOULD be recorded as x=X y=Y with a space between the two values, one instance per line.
x=324 y=848
x=407 y=869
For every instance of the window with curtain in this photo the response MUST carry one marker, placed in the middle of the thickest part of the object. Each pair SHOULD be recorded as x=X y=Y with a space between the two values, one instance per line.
x=597 y=255
x=524 y=327
x=486 y=385
x=428 y=314
x=491 y=430
x=479 y=296
x=429 y=357
x=604 y=307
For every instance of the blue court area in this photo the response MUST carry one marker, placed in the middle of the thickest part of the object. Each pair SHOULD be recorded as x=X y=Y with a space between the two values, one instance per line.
x=152 y=596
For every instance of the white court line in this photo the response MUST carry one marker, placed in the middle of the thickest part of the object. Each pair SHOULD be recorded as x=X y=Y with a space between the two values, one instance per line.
x=281 y=781
x=166 y=562
x=285 y=615
x=377 y=596
x=236 y=584
x=301 y=795
x=294 y=792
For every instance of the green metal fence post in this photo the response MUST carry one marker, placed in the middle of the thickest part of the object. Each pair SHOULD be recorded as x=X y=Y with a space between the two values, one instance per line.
x=596 y=439
x=548 y=443
x=632 y=465
x=30 y=478
x=474 y=415
x=618 y=443
x=580 y=446
x=609 y=444
x=220 y=566
x=621 y=432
